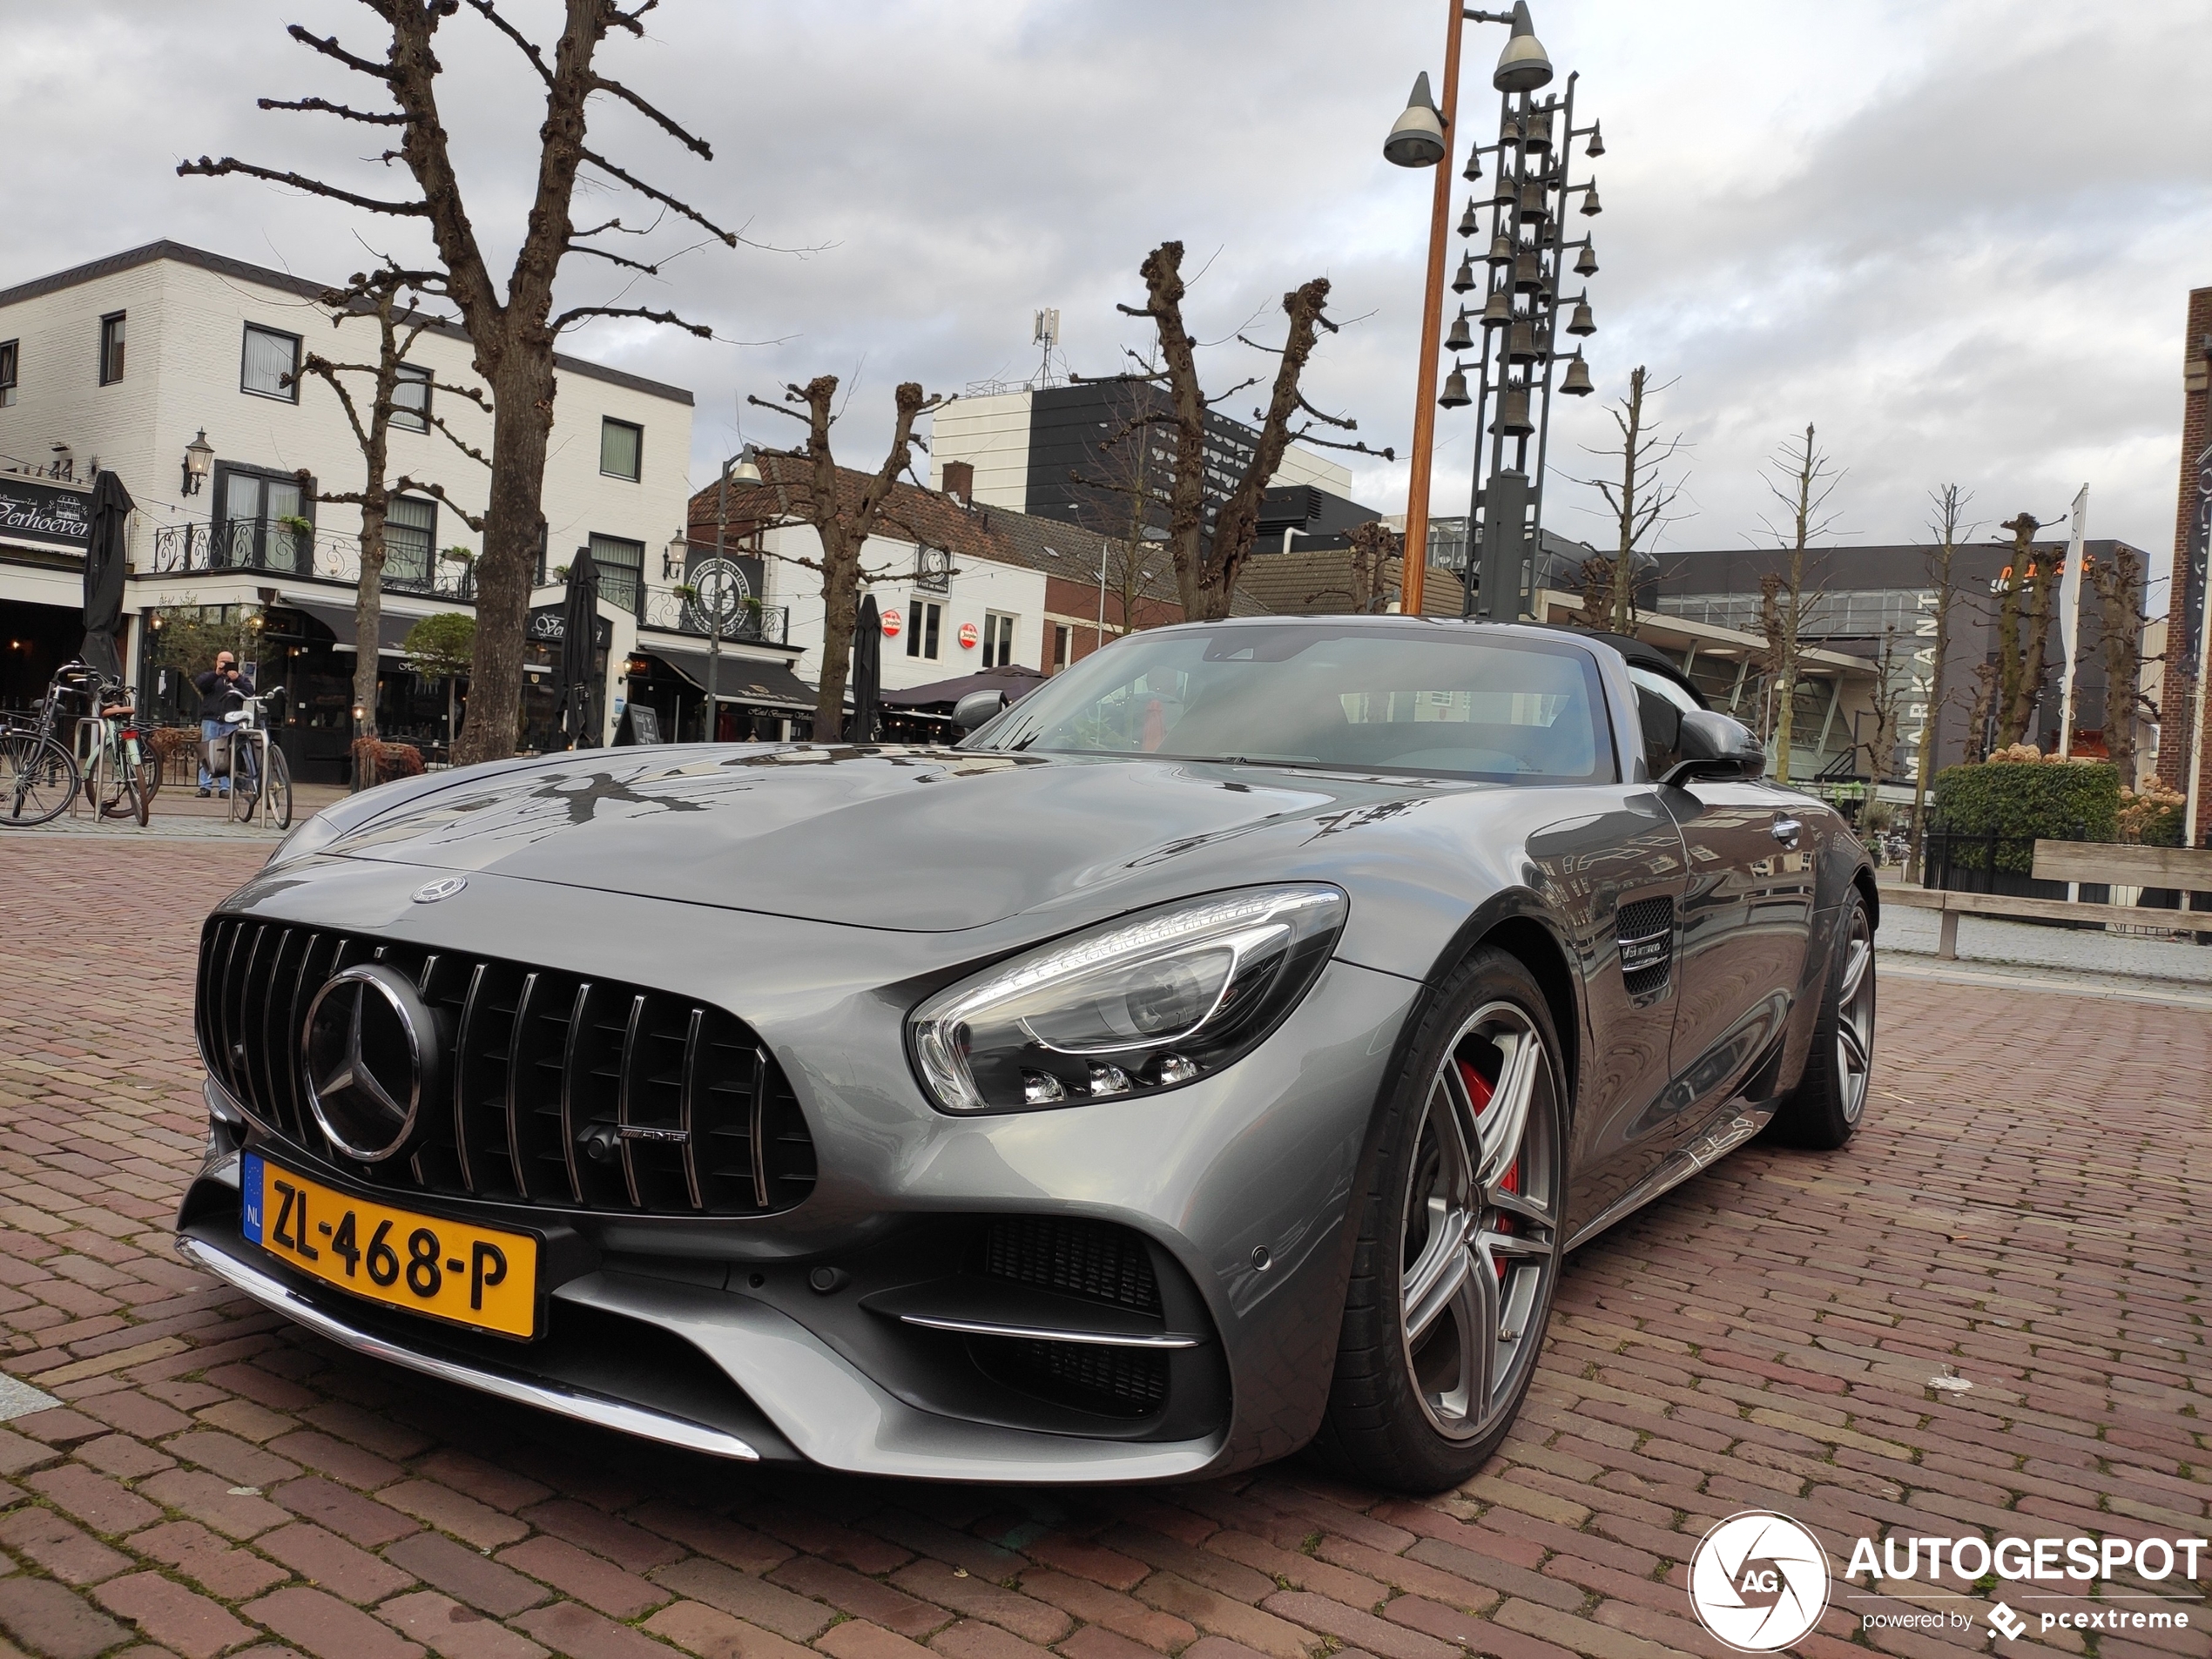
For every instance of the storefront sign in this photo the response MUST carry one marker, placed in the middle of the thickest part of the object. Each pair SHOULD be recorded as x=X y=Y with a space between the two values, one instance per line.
x=33 y=510
x=891 y=623
x=968 y=636
x=728 y=584
x=547 y=625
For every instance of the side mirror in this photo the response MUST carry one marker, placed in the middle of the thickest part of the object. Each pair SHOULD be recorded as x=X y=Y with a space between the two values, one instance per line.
x=1712 y=745
x=976 y=708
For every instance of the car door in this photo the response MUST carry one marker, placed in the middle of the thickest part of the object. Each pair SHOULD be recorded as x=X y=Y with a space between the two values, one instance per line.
x=1746 y=913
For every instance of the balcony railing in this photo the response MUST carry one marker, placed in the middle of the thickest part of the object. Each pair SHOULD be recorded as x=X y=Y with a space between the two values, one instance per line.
x=748 y=624
x=281 y=548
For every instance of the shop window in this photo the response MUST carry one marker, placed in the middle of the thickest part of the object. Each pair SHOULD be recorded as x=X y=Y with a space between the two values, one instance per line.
x=1063 y=644
x=411 y=399
x=269 y=367
x=998 y=639
x=9 y=350
x=924 y=628
x=112 y=332
x=622 y=570
x=622 y=449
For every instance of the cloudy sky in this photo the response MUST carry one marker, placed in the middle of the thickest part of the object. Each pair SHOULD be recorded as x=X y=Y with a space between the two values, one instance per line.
x=1958 y=235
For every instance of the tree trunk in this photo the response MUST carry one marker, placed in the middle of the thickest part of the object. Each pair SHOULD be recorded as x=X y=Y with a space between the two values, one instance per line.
x=514 y=530
x=368 y=613
x=840 y=610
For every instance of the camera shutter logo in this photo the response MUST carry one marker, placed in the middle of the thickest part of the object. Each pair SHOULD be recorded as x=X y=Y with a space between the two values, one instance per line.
x=1759 y=1581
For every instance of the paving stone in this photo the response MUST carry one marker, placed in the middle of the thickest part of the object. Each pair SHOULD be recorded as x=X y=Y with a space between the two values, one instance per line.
x=463 y=1572
x=187 y=1624
x=42 y=1536
x=332 y=1563
x=324 y=1626
x=454 y=1630
x=592 y=1580
x=228 y=1572
x=52 y=1622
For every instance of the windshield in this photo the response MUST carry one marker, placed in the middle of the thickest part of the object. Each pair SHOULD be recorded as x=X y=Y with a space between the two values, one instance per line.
x=1373 y=699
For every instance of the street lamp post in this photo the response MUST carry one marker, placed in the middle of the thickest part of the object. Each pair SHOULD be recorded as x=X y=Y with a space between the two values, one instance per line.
x=1525 y=256
x=743 y=471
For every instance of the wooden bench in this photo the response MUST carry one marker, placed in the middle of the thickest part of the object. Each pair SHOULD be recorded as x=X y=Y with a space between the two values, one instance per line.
x=2188 y=869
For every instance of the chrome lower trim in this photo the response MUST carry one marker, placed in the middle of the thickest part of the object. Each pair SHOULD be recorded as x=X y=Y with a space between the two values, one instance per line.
x=546 y=1396
x=1046 y=1333
x=1707 y=1149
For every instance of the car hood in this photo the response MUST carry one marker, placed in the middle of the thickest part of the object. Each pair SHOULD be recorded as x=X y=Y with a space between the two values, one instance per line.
x=914 y=840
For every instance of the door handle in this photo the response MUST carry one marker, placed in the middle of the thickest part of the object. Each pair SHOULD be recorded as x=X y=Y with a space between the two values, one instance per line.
x=1785 y=830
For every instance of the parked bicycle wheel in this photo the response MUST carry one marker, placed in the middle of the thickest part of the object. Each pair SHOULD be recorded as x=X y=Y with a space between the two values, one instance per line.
x=38 y=780
x=114 y=785
x=279 y=789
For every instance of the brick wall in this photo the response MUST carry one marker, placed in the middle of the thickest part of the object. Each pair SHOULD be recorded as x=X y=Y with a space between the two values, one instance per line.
x=2177 y=698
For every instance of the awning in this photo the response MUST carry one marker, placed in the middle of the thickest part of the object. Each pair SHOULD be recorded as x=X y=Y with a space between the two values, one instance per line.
x=392 y=627
x=1015 y=680
x=740 y=679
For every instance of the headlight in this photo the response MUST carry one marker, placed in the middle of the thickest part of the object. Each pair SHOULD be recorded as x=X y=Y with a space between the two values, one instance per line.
x=1134 y=1007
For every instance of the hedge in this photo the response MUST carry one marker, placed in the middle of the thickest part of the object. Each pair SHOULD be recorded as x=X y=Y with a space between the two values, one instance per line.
x=2059 y=800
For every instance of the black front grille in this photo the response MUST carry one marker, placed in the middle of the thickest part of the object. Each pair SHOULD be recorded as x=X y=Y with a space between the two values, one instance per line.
x=1645 y=931
x=1090 y=1258
x=544 y=1069
x=1116 y=1382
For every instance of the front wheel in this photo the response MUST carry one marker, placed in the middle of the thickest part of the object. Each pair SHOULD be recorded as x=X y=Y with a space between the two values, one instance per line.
x=279 y=786
x=1828 y=1105
x=38 y=780
x=1461 y=1231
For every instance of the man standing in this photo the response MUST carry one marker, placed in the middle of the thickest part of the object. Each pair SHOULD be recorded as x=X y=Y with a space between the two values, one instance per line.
x=222 y=690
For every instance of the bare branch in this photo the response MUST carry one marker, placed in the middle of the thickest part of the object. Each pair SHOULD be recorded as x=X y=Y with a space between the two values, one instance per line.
x=697 y=146
x=328 y=46
x=728 y=239
x=323 y=105
x=460 y=443
x=1306 y=435
x=577 y=313
x=523 y=42
x=774 y=408
x=474 y=521
x=212 y=169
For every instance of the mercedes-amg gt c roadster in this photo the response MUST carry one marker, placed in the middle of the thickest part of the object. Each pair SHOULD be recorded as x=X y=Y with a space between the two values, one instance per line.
x=1219 y=1050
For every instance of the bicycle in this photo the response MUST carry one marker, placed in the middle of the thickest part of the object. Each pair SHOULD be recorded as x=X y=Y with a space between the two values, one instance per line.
x=254 y=761
x=117 y=780
x=38 y=775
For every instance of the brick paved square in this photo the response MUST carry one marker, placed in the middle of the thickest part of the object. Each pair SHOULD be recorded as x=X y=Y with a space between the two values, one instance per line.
x=2026 y=1213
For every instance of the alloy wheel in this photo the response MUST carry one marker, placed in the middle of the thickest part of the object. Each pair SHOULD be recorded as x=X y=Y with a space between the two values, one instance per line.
x=1855 y=1017
x=1481 y=1239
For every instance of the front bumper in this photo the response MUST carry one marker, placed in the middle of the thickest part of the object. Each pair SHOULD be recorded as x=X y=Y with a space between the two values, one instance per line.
x=711 y=1332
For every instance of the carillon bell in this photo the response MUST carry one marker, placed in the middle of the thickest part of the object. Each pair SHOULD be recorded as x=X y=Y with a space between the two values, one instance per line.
x=1513 y=413
x=1460 y=338
x=1465 y=280
x=1577 y=383
x=1455 y=388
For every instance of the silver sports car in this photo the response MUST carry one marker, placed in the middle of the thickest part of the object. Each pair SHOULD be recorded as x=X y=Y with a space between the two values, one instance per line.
x=1218 y=1051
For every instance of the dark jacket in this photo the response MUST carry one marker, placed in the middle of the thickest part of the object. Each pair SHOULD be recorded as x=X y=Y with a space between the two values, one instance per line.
x=220 y=694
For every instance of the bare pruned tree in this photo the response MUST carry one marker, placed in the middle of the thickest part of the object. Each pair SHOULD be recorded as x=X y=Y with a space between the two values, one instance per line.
x=1206 y=567
x=842 y=521
x=1801 y=477
x=2026 y=591
x=1375 y=544
x=1978 y=712
x=1950 y=514
x=1638 y=503
x=2119 y=584
x=1885 y=709
x=383 y=295
x=514 y=329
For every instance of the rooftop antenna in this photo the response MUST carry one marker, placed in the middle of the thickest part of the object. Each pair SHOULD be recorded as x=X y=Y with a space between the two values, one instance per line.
x=1045 y=334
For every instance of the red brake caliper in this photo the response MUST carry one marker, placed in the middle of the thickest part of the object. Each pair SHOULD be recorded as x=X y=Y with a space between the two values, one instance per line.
x=1480 y=1090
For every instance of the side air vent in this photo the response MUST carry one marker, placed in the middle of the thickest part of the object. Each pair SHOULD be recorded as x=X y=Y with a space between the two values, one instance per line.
x=561 y=1090
x=1646 y=931
x=1088 y=1258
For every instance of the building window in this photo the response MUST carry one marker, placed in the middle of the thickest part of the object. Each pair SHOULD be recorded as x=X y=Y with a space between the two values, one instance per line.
x=621 y=569
x=933 y=569
x=622 y=449
x=923 y=629
x=112 y=347
x=8 y=353
x=411 y=541
x=1063 y=645
x=263 y=520
x=411 y=399
x=998 y=639
x=270 y=364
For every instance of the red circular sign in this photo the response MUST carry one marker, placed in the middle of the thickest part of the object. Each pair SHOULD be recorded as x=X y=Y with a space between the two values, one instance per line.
x=891 y=625
x=968 y=636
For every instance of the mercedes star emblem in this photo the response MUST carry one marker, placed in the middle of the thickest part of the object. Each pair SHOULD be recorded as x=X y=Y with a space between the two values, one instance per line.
x=368 y=1050
x=444 y=888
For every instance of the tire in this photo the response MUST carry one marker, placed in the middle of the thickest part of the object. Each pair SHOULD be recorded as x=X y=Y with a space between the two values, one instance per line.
x=1460 y=1235
x=1830 y=1102
x=38 y=780
x=120 y=793
x=279 y=787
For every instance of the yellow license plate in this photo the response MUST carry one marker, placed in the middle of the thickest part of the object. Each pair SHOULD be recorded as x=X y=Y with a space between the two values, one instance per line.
x=482 y=1276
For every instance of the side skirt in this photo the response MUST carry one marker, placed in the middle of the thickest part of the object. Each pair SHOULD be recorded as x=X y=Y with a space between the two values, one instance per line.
x=1736 y=1125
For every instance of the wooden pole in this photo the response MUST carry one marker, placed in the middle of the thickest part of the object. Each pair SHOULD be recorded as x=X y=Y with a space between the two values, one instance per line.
x=1415 y=561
